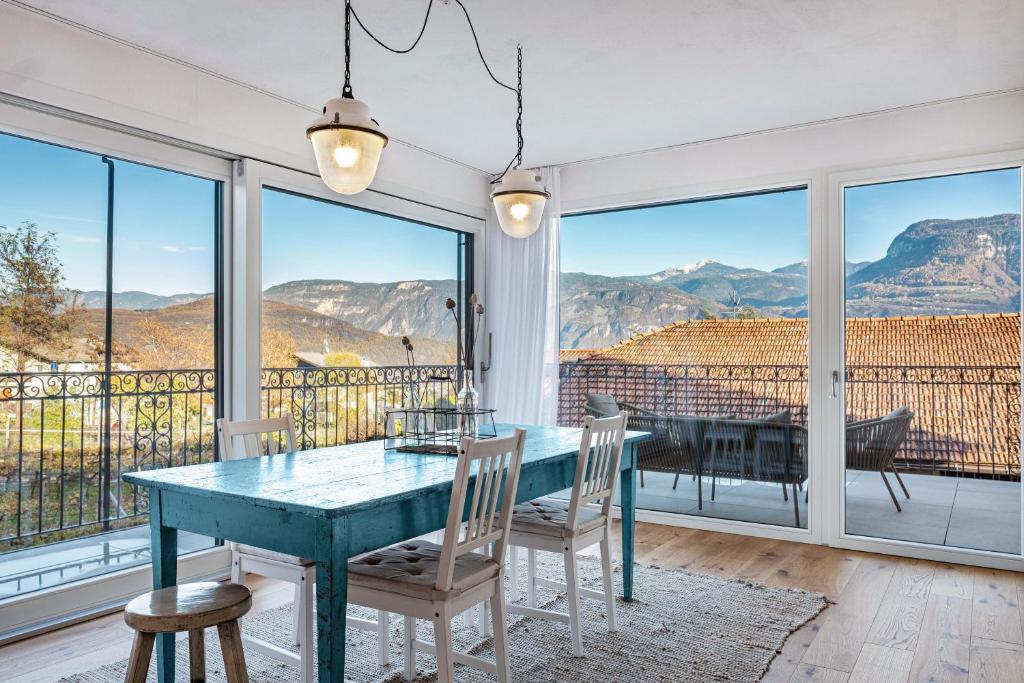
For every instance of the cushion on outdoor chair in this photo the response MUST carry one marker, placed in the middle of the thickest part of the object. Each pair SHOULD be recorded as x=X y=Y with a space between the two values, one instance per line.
x=549 y=516
x=783 y=417
x=602 y=405
x=410 y=569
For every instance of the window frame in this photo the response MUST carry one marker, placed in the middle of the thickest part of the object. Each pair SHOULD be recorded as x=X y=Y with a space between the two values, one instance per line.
x=247 y=293
x=835 y=346
x=59 y=606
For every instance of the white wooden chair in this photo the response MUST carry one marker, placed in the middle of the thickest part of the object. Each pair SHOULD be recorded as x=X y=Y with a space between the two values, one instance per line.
x=423 y=580
x=567 y=527
x=269 y=437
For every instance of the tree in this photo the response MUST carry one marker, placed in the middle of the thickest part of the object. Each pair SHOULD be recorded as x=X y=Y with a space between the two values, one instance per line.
x=158 y=346
x=746 y=312
x=279 y=349
x=342 y=359
x=34 y=313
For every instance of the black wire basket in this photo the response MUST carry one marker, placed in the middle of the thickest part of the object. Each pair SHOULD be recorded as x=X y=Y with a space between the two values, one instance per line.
x=436 y=430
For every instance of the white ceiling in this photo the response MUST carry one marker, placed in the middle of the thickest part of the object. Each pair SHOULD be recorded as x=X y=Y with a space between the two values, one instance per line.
x=602 y=77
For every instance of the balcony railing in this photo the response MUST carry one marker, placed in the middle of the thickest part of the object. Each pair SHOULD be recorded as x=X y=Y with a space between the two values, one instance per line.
x=967 y=419
x=343 y=405
x=67 y=437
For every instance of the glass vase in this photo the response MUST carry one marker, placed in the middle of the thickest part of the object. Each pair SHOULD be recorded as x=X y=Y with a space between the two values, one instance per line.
x=467 y=402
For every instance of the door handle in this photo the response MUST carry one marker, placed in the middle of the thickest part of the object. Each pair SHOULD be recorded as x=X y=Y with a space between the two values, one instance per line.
x=486 y=365
x=835 y=384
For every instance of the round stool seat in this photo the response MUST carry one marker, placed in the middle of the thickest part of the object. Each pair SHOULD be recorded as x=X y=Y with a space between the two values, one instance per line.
x=187 y=607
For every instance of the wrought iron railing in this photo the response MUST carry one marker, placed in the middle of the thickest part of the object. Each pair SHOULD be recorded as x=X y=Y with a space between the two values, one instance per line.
x=66 y=438
x=342 y=405
x=62 y=457
x=967 y=419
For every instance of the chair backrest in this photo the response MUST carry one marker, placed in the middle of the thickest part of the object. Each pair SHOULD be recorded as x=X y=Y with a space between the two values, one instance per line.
x=873 y=444
x=597 y=466
x=495 y=463
x=601 y=405
x=258 y=437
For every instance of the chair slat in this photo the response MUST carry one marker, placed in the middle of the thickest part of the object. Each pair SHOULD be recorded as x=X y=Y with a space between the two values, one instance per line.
x=279 y=432
x=495 y=461
x=598 y=463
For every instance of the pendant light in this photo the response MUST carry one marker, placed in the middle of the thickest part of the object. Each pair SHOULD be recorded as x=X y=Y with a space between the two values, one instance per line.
x=518 y=197
x=519 y=200
x=346 y=141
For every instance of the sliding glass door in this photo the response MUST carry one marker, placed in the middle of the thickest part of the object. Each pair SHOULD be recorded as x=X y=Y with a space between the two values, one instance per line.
x=932 y=331
x=692 y=317
x=109 y=325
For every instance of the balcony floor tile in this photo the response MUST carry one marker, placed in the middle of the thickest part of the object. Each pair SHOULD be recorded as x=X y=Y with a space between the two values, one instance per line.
x=984 y=530
x=968 y=513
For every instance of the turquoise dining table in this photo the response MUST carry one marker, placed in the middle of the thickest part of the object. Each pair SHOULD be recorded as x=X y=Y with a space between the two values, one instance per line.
x=330 y=504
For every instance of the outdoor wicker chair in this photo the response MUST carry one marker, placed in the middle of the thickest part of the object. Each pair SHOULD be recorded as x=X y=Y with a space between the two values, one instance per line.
x=670 y=449
x=768 y=450
x=872 y=445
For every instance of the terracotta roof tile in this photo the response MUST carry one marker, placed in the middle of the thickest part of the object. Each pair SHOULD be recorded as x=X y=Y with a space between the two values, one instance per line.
x=959 y=374
x=952 y=341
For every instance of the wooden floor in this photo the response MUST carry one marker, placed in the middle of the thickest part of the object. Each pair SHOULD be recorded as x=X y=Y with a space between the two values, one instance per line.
x=894 y=619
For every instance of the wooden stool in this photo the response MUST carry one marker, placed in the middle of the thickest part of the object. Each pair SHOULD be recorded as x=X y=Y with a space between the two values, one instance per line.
x=189 y=607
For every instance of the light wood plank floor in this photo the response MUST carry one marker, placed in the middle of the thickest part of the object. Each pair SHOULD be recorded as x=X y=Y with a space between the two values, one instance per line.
x=894 y=619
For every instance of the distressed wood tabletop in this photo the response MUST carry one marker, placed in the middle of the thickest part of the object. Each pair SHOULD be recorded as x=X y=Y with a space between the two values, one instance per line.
x=344 y=479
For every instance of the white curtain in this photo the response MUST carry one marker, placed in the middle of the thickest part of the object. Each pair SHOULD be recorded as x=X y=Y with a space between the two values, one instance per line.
x=522 y=316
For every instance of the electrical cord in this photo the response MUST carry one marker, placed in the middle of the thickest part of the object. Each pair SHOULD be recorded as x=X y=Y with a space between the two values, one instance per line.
x=426 y=18
x=518 y=90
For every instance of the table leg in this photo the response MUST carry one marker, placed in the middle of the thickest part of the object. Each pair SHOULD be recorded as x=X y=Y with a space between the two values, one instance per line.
x=332 y=601
x=164 y=551
x=627 y=493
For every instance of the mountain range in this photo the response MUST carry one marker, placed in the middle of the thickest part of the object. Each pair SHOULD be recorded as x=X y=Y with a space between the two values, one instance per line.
x=933 y=267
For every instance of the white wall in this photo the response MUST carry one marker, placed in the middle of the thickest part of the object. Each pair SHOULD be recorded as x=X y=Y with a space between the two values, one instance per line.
x=60 y=65
x=959 y=128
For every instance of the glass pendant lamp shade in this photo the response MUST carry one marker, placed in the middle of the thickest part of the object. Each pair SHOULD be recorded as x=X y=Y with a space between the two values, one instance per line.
x=519 y=201
x=347 y=144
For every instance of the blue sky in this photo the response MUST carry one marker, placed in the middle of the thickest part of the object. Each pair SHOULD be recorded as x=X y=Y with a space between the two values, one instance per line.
x=163 y=221
x=309 y=239
x=877 y=213
x=770 y=230
x=164 y=226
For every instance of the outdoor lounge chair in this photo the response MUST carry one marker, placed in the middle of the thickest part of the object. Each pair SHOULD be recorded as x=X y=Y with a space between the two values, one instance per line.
x=872 y=445
x=770 y=450
x=674 y=447
x=767 y=449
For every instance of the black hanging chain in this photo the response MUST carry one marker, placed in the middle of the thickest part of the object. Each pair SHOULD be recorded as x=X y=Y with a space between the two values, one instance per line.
x=519 y=106
x=346 y=91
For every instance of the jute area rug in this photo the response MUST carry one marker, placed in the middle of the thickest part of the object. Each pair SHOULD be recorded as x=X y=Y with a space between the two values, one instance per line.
x=680 y=627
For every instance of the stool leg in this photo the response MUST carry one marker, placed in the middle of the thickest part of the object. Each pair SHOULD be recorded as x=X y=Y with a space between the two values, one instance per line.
x=234 y=657
x=197 y=655
x=142 y=652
